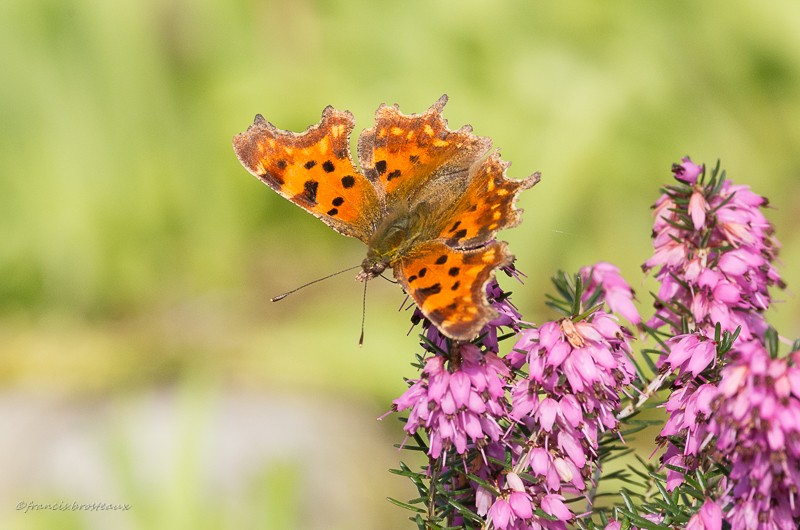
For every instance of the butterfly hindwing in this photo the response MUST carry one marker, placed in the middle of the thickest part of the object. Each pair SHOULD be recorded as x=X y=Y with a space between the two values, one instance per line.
x=314 y=170
x=449 y=285
x=486 y=207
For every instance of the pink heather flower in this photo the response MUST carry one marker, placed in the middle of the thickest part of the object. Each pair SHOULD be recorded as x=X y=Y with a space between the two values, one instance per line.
x=554 y=505
x=513 y=507
x=616 y=291
x=461 y=403
x=518 y=499
x=520 y=503
x=500 y=513
x=457 y=404
x=690 y=409
x=698 y=206
x=690 y=353
x=708 y=518
x=687 y=171
x=740 y=220
x=673 y=457
x=483 y=500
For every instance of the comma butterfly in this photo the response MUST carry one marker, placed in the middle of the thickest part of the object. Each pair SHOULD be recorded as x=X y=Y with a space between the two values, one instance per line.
x=427 y=201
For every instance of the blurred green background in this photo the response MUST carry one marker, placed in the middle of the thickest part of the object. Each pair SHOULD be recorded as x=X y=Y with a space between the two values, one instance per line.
x=141 y=359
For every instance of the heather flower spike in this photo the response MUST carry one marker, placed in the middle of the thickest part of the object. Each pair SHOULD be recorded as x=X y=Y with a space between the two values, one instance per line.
x=517 y=439
x=713 y=249
x=731 y=403
x=458 y=405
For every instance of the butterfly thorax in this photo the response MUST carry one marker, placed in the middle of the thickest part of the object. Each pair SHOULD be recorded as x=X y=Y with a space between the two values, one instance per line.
x=392 y=240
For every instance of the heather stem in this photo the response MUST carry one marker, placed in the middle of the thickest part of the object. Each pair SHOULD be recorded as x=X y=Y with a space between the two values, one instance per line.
x=435 y=468
x=598 y=470
x=646 y=394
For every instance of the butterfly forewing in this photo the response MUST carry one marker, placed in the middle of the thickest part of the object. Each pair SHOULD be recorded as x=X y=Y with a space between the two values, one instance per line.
x=314 y=170
x=405 y=154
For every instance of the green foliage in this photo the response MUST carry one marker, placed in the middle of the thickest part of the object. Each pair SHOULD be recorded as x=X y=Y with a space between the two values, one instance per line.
x=119 y=187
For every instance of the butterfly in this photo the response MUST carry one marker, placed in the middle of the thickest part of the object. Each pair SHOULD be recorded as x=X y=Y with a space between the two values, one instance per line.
x=427 y=201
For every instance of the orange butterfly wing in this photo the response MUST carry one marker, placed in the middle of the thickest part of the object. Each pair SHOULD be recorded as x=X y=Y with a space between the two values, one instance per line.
x=487 y=205
x=402 y=154
x=449 y=285
x=314 y=170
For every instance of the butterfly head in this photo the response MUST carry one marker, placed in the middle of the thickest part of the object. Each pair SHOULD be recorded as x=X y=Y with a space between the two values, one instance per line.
x=370 y=269
x=380 y=253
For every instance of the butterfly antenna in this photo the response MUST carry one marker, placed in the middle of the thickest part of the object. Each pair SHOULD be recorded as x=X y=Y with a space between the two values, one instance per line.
x=284 y=295
x=403 y=304
x=363 y=315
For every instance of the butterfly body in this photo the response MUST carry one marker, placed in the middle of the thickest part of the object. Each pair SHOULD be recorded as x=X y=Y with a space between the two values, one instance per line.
x=394 y=238
x=427 y=201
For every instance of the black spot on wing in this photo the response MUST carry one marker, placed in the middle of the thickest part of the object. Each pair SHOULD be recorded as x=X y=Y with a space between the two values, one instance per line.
x=310 y=190
x=338 y=201
x=441 y=260
x=281 y=164
x=455 y=286
x=455 y=226
x=422 y=272
x=328 y=166
x=425 y=292
x=348 y=181
x=310 y=164
x=460 y=234
x=332 y=212
x=453 y=271
x=380 y=167
x=393 y=175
